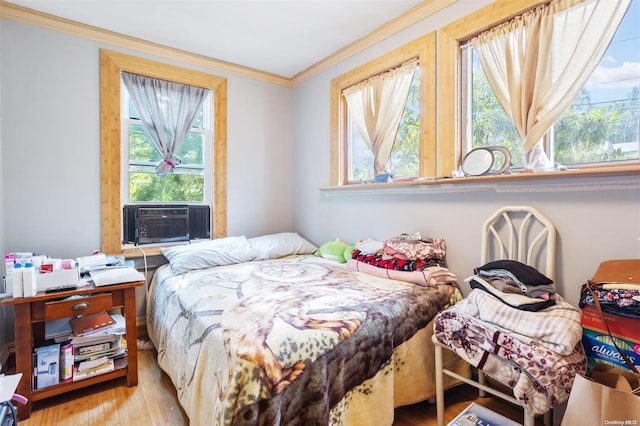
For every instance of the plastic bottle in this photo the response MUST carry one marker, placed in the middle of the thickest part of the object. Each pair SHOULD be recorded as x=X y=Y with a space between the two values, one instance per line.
x=16 y=280
x=29 y=280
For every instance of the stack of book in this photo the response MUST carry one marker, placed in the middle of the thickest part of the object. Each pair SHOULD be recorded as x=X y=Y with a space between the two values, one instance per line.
x=97 y=340
x=84 y=340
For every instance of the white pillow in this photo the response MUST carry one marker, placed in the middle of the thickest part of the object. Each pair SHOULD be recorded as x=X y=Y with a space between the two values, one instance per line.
x=205 y=254
x=283 y=244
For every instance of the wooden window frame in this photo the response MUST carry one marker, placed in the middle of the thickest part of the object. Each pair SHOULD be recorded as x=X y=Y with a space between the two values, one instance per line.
x=450 y=86
x=449 y=64
x=111 y=65
x=424 y=50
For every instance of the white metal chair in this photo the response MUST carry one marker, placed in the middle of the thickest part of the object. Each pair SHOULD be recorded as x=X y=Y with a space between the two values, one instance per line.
x=519 y=233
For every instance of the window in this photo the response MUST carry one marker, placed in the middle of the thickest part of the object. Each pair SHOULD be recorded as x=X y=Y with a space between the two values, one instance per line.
x=404 y=159
x=599 y=128
x=352 y=160
x=489 y=124
x=112 y=65
x=189 y=182
x=464 y=113
x=603 y=123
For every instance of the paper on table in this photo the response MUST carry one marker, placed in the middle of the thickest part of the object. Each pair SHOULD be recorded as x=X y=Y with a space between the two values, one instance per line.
x=93 y=363
x=8 y=386
x=116 y=275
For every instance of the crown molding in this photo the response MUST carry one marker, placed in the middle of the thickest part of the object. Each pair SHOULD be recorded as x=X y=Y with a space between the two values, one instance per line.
x=44 y=20
x=410 y=17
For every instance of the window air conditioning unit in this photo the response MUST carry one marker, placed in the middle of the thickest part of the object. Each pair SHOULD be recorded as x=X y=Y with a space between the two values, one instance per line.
x=146 y=224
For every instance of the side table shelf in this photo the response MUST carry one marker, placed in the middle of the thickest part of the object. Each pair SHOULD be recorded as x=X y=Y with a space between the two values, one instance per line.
x=31 y=313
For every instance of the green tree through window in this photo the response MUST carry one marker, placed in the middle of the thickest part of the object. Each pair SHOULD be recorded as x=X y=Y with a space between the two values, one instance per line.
x=405 y=156
x=185 y=184
x=601 y=126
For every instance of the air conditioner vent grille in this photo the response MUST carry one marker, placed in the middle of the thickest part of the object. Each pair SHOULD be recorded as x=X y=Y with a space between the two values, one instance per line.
x=147 y=224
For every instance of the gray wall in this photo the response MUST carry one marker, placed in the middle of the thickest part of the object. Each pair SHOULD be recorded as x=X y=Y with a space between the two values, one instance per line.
x=594 y=223
x=50 y=152
x=278 y=157
x=3 y=312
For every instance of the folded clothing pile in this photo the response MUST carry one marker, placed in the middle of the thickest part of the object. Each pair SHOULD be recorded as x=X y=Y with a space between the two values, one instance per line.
x=519 y=331
x=540 y=372
x=403 y=253
x=515 y=284
x=615 y=298
x=408 y=258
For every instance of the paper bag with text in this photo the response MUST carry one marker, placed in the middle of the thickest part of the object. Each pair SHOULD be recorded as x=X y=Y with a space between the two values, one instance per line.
x=606 y=398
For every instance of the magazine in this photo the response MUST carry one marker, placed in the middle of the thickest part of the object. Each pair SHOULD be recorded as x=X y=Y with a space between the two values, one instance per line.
x=479 y=415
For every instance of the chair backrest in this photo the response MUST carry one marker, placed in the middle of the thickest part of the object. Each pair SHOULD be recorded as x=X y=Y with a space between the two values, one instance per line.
x=520 y=233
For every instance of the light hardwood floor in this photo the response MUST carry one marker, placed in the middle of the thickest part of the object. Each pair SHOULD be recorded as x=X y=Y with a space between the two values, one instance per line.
x=154 y=402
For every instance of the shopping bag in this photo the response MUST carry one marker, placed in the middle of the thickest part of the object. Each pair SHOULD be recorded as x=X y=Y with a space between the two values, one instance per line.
x=606 y=398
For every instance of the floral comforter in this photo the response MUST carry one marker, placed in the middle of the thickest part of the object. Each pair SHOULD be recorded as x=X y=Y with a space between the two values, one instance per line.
x=298 y=340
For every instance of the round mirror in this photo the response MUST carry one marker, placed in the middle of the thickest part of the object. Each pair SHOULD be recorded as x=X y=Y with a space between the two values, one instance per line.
x=502 y=162
x=477 y=162
x=483 y=161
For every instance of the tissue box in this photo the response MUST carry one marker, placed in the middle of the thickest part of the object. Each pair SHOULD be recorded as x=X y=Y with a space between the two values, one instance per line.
x=57 y=278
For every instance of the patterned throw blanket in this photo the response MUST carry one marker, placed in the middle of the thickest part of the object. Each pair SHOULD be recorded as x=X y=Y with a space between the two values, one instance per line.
x=281 y=341
x=556 y=327
x=537 y=354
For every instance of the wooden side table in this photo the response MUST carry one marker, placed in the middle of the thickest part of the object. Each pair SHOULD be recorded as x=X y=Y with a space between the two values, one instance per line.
x=31 y=313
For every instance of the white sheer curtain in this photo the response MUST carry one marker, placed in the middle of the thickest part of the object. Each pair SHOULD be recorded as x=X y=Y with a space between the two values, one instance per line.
x=376 y=106
x=167 y=111
x=538 y=62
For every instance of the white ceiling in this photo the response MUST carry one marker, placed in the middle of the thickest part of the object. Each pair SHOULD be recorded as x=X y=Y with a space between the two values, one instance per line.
x=283 y=37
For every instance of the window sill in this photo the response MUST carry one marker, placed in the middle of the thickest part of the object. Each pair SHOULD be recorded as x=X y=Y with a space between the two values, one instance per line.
x=133 y=253
x=610 y=178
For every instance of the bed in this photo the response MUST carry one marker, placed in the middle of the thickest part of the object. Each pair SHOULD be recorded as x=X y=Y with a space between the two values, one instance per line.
x=260 y=331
